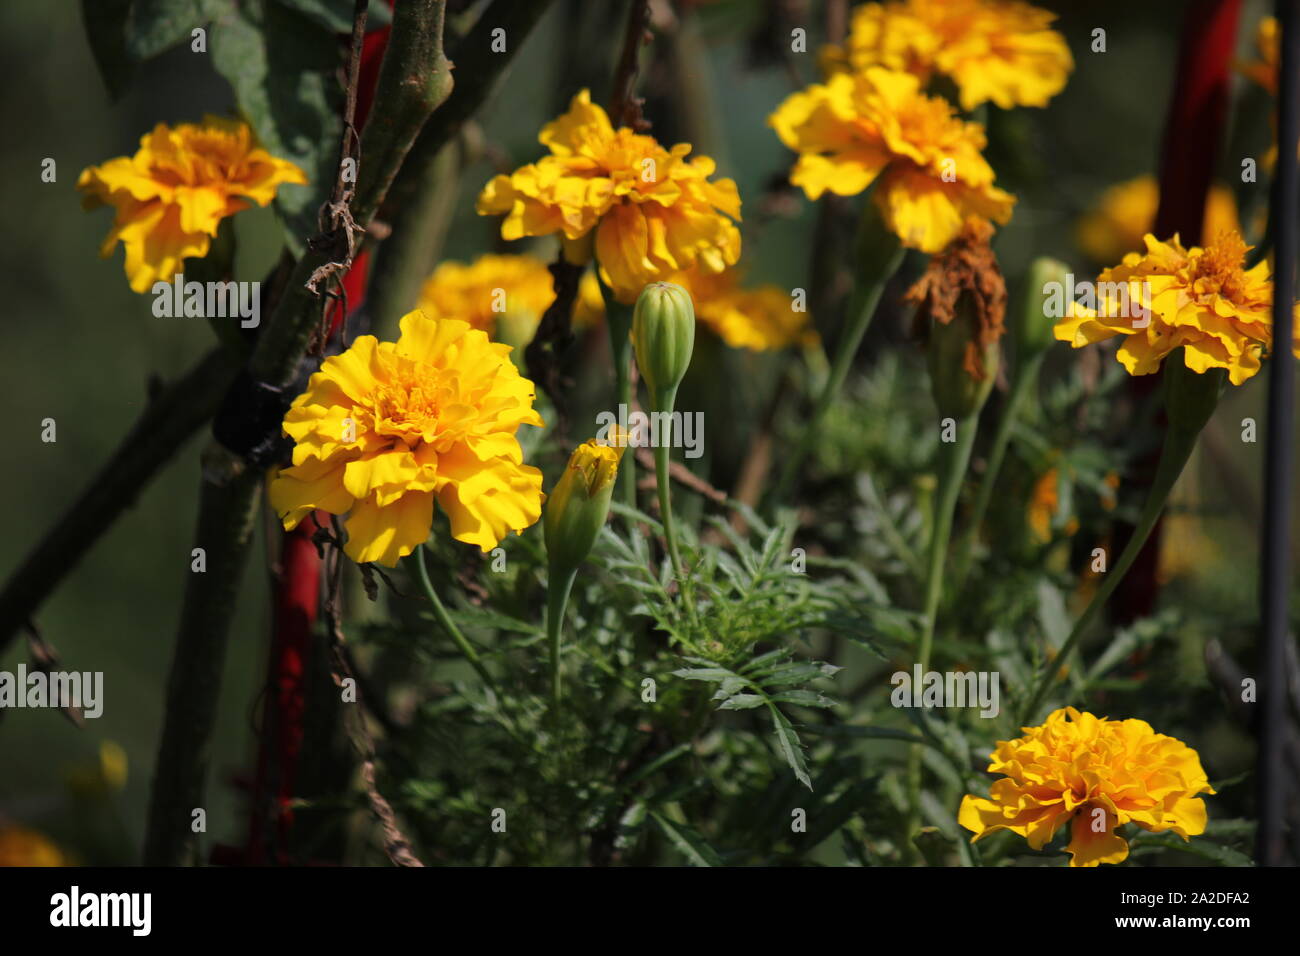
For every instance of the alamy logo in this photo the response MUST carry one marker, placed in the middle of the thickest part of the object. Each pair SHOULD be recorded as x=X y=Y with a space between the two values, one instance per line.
x=208 y=300
x=1110 y=300
x=74 y=908
x=655 y=430
x=57 y=689
x=950 y=689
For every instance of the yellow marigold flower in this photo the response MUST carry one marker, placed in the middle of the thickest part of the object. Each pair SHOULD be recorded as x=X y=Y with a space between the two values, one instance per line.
x=860 y=127
x=19 y=847
x=993 y=50
x=493 y=287
x=1127 y=211
x=1096 y=774
x=650 y=210
x=1203 y=300
x=171 y=196
x=386 y=428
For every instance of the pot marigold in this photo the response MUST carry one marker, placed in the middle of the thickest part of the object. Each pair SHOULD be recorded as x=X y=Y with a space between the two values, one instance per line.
x=171 y=196
x=877 y=127
x=1095 y=774
x=1003 y=52
x=386 y=428
x=1203 y=300
x=650 y=211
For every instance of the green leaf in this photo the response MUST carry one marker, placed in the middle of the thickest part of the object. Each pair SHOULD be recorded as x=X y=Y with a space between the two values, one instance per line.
x=105 y=24
x=688 y=842
x=790 y=746
x=1223 y=855
x=336 y=15
x=803 y=698
x=703 y=673
x=743 y=702
x=153 y=26
x=282 y=67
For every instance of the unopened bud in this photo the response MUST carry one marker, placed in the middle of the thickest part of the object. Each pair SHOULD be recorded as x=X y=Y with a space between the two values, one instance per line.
x=578 y=505
x=663 y=334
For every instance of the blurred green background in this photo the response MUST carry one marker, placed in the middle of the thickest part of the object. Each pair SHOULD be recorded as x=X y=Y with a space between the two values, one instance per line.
x=80 y=347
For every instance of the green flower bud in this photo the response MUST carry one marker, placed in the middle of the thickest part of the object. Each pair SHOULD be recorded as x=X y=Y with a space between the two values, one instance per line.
x=1033 y=324
x=958 y=389
x=578 y=505
x=663 y=334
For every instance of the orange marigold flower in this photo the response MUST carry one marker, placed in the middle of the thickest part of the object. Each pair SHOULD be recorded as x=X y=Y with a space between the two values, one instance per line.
x=650 y=211
x=171 y=196
x=1095 y=774
x=993 y=50
x=858 y=128
x=1203 y=300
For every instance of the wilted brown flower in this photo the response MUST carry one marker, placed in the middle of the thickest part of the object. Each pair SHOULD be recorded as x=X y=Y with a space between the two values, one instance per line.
x=966 y=272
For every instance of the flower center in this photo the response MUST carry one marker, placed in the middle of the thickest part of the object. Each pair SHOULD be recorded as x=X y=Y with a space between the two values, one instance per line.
x=1219 y=267
x=405 y=403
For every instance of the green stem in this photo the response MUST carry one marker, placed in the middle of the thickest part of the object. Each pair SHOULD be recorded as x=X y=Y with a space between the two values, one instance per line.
x=954 y=459
x=1026 y=379
x=663 y=487
x=618 y=322
x=557 y=599
x=1179 y=444
x=866 y=296
x=440 y=612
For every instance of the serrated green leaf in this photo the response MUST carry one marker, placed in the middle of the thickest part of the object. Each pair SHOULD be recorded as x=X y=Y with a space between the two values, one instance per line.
x=743 y=702
x=790 y=746
x=803 y=698
x=688 y=842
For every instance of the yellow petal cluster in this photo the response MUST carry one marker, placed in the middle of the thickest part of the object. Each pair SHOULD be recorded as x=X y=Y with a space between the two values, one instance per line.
x=171 y=196
x=1202 y=300
x=1095 y=774
x=877 y=127
x=1127 y=211
x=649 y=210
x=491 y=286
x=385 y=429
x=993 y=50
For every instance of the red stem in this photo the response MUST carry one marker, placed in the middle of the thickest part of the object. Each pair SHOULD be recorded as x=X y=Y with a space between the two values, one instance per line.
x=1194 y=129
x=297 y=596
